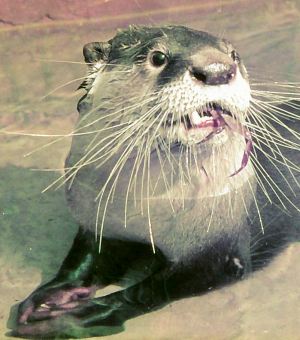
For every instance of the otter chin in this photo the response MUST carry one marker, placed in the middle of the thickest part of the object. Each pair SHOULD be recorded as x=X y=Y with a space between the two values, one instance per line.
x=167 y=177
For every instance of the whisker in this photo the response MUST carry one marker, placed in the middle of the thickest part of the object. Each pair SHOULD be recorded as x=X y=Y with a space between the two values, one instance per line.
x=61 y=61
x=116 y=170
x=61 y=86
x=148 y=206
x=133 y=176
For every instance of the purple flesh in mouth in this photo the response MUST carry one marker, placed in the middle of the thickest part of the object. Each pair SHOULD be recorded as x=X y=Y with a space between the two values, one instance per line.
x=220 y=123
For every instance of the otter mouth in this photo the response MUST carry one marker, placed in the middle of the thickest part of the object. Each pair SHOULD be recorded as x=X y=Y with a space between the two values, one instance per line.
x=201 y=125
x=205 y=123
x=206 y=116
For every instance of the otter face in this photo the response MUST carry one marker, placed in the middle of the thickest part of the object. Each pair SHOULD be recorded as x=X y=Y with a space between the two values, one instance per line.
x=187 y=87
x=200 y=80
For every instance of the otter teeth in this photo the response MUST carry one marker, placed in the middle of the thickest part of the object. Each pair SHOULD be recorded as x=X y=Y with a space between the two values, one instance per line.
x=197 y=121
x=195 y=118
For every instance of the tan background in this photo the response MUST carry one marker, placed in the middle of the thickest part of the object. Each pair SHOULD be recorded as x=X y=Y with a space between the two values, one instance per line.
x=36 y=229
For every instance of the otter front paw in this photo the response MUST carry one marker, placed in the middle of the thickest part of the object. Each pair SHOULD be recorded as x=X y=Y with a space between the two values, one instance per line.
x=60 y=310
x=86 y=319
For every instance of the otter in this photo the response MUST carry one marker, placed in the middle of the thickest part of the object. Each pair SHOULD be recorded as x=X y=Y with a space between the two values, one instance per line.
x=174 y=174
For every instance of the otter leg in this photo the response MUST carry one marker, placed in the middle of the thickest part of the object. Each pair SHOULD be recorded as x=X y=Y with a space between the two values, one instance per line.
x=221 y=263
x=83 y=272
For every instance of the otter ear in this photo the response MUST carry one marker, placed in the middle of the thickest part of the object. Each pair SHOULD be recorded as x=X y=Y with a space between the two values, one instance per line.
x=96 y=51
x=96 y=55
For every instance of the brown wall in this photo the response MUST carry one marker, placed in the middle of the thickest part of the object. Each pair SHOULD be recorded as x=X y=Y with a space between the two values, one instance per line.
x=24 y=12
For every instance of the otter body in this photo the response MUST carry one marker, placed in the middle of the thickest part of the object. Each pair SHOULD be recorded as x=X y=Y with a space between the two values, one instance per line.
x=160 y=178
x=152 y=182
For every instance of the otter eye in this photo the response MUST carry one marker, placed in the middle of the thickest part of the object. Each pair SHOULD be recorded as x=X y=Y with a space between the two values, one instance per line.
x=158 y=59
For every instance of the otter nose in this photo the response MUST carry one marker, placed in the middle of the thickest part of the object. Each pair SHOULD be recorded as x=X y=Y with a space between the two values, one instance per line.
x=214 y=74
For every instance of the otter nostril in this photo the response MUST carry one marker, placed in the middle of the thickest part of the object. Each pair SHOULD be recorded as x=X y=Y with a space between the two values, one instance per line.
x=198 y=73
x=200 y=76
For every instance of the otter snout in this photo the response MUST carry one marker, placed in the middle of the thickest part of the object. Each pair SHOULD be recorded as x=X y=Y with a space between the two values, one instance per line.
x=212 y=67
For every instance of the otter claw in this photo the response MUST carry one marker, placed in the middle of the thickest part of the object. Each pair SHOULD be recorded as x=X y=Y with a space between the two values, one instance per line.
x=47 y=302
x=89 y=319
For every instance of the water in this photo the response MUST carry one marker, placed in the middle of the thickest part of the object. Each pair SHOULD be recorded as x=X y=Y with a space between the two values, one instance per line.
x=36 y=226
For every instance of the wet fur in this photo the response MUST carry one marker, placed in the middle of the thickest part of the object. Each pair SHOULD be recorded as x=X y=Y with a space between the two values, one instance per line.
x=138 y=196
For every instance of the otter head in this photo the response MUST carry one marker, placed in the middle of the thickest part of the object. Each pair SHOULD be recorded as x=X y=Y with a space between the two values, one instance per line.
x=163 y=118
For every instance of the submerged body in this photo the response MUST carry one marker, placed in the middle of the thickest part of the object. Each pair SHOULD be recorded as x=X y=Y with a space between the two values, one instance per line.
x=161 y=174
